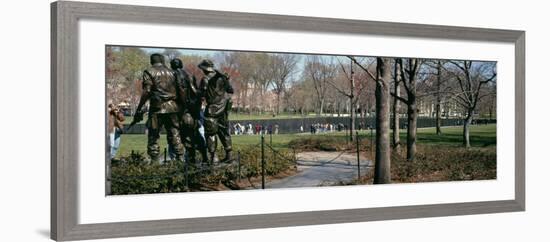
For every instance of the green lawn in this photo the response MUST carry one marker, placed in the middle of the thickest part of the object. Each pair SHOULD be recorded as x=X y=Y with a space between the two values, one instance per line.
x=480 y=136
x=138 y=142
x=254 y=116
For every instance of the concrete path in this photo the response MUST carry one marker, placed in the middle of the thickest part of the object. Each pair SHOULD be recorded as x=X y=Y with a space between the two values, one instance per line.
x=322 y=168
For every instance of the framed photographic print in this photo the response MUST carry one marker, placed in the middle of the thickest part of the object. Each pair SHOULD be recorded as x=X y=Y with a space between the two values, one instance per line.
x=170 y=120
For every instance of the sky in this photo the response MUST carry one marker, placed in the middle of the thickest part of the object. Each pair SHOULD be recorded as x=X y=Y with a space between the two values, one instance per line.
x=211 y=53
x=182 y=51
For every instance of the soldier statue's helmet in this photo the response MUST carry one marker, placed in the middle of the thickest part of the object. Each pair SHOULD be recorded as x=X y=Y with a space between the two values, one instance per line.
x=176 y=64
x=157 y=58
x=206 y=65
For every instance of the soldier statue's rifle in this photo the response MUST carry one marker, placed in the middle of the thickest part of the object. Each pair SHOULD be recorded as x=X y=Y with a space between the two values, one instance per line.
x=229 y=102
x=138 y=117
x=225 y=75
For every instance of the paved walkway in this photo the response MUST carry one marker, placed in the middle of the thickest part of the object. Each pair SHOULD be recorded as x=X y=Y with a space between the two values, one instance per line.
x=322 y=168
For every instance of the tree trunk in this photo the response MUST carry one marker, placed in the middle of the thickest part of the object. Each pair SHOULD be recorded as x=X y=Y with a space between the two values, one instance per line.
x=382 y=165
x=321 y=106
x=244 y=102
x=438 y=118
x=351 y=105
x=412 y=114
x=351 y=120
x=438 y=101
x=395 y=110
x=278 y=102
x=367 y=107
x=239 y=102
x=412 y=109
x=491 y=109
x=466 y=129
x=108 y=172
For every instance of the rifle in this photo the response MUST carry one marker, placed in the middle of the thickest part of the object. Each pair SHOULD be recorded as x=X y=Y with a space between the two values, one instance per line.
x=225 y=75
x=138 y=117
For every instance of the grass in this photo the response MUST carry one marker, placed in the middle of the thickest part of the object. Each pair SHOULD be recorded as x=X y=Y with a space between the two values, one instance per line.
x=438 y=158
x=138 y=142
x=480 y=136
x=252 y=116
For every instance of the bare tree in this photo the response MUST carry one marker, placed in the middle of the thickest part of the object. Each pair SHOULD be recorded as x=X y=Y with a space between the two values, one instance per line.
x=471 y=78
x=438 y=87
x=124 y=68
x=246 y=67
x=299 y=98
x=396 y=107
x=352 y=94
x=229 y=64
x=487 y=108
x=409 y=69
x=382 y=165
x=261 y=76
x=321 y=71
x=438 y=100
x=283 y=66
x=171 y=54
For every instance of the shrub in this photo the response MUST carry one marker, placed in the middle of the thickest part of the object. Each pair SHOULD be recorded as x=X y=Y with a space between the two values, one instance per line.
x=134 y=175
x=445 y=163
x=439 y=163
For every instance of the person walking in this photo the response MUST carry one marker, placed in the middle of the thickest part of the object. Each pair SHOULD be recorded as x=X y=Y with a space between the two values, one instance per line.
x=116 y=127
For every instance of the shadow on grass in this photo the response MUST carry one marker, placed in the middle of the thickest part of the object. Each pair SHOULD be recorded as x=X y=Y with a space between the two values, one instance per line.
x=456 y=139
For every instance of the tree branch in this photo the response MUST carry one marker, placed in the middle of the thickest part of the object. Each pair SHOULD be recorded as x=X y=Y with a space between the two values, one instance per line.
x=362 y=67
x=399 y=98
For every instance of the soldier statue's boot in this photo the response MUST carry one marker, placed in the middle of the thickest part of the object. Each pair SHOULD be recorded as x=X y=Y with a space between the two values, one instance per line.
x=190 y=154
x=191 y=158
x=228 y=157
x=179 y=158
x=213 y=158
x=155 y=159
x=204 y=157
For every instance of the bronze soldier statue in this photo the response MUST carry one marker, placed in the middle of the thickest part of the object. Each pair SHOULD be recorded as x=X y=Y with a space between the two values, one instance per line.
x=217 y=90
x=160 y=89
x=190 y=100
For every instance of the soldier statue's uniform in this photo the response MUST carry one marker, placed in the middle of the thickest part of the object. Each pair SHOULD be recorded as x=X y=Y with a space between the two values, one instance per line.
x=160 y=89
x=190 y=100
x=217 y=90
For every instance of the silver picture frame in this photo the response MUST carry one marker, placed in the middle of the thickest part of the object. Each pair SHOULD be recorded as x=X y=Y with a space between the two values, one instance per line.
x=65 y=16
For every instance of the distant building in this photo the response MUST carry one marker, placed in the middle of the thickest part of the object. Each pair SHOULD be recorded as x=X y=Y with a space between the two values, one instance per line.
x=449 y=109
x=253 y=100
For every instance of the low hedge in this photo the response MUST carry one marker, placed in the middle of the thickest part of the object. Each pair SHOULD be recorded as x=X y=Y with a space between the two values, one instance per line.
x=133 y=174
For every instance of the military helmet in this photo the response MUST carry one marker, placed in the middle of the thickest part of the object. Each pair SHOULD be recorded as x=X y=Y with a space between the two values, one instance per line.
x=157 y=58
x=206 y=65
x=176 y=64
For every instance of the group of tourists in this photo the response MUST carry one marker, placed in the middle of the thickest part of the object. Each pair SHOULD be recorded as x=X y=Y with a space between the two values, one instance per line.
x=258 y=129
x=326 y=127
